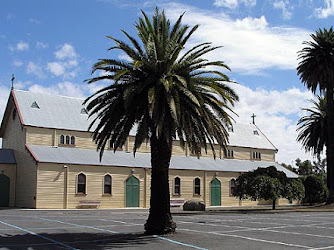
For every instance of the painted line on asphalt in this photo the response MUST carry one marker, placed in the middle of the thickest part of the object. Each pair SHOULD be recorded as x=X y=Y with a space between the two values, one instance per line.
x=114 y=232
x=296 y=233
x=38 y=235
x=78 y=225
x=249 y=238
x=178 y=243
x=321 y=248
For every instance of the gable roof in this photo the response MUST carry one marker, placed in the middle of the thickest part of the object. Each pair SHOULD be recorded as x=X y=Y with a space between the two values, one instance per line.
x=61 y=112
x=80 y=156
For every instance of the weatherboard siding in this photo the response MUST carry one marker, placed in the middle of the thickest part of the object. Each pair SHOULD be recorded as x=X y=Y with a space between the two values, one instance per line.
x=94 y=188
x=39 y=136
x=50 y=183
x=15 y=138
x=9 y=170
x=187 y=178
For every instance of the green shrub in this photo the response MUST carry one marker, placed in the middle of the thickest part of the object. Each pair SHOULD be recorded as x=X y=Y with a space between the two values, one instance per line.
x=316 y=190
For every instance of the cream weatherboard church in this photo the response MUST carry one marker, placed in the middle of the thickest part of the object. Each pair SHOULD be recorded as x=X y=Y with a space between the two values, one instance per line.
x=48 y=160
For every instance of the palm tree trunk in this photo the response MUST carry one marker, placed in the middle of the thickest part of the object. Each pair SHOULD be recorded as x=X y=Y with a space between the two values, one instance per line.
x=160 y=219
x=330 y=144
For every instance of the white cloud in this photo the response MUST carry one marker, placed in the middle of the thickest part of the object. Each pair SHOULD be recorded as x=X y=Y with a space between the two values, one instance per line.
x=276 y=113
x=20 y=46
x=41 y=45
x=63 y=88
x=35 y=69
x=56 y=68
x=67 y=60
x=231 y=4
x=67 y=51
x=17 y=63
x=286 y=8
x=251 y=45
x=21 y=84
x=327 y=11
x=34 y=21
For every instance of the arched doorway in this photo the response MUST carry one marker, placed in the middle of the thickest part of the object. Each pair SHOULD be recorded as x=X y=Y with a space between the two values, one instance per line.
x=215 y=192
x=4 y=190
x=132 y=192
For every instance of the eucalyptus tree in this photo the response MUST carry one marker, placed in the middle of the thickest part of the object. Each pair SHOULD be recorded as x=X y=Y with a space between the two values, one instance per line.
x=313 y=127
x=168 y=93
x=316 y=71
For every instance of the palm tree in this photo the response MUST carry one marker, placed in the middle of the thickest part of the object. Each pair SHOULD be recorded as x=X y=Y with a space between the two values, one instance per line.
x=313 y=127
x=316 y=70
x=168 y=94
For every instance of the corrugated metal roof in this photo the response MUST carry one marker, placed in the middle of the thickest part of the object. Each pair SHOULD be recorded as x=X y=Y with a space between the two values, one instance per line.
x=7 y=156
x=54 y=111
x=62 y=112
x=81 y=156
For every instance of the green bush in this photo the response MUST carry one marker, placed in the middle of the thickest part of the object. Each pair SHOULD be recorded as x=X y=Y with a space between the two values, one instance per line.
x=316 y=190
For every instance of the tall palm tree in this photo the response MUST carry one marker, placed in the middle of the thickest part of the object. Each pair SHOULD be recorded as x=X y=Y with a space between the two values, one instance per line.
x=169 y=94
x=313 y=127
x=316 y=70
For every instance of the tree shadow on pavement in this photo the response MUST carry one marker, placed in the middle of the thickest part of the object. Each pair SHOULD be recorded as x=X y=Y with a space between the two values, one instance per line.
x=74 y=240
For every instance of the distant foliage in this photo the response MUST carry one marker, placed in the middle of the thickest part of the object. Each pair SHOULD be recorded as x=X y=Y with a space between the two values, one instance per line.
x=268 y=184
x=316 y=190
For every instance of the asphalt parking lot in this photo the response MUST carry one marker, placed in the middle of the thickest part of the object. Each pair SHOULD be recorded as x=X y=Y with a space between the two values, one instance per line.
x=107 y=229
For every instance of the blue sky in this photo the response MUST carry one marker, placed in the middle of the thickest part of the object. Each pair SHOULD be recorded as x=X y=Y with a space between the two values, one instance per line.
x=51 y=46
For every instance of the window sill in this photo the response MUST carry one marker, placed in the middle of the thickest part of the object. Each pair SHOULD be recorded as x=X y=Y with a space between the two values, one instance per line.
x=66 y=145
x=80 y=194
x=106 y=195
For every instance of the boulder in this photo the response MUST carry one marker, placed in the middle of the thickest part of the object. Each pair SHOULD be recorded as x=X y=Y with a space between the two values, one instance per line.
x=194 y=205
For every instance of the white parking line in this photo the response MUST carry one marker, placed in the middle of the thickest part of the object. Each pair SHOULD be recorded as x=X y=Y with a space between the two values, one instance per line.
x=296 y=233
x=38 y=235
x=249 y=238
x=114 y=232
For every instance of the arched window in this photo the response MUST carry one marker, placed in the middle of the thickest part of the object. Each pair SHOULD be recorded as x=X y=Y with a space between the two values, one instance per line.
x=81 y=185
x=197 y=186
x=62 y=139
x=67 y=139
x=107 y=184
x=177 y=186
x=72 y=140
x=232 y=187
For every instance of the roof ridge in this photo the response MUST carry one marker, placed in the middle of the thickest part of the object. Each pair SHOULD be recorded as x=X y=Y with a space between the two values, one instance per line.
x=56 y=95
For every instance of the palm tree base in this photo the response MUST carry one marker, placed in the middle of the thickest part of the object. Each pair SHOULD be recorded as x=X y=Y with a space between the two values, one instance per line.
x=155 y=227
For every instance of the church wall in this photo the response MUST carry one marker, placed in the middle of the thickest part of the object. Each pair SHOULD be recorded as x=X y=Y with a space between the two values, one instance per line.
x=10 y=171
x=15 y=138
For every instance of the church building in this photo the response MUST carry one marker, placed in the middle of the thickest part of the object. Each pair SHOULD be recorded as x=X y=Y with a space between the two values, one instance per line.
x=48 y=160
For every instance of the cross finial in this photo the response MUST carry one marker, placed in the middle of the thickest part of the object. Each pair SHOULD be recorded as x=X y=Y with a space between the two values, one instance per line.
x=253 y=116
x=13 y=78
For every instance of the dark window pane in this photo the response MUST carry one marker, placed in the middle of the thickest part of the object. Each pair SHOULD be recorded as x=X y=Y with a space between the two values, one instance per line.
x=67 y=139
x=61 y=140
x=72 y=140
x=107 y=189
x=177 y=185
x=81 y=183
x=82 y=188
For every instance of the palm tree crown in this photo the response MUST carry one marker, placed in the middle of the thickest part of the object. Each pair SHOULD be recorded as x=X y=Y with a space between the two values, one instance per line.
x=317 y=61
x=313 y=127
x=161 y=90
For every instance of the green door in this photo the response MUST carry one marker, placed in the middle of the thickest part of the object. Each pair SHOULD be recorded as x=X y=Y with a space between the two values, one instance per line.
x=215 y=192
x=132 y=192
x=4 y=190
